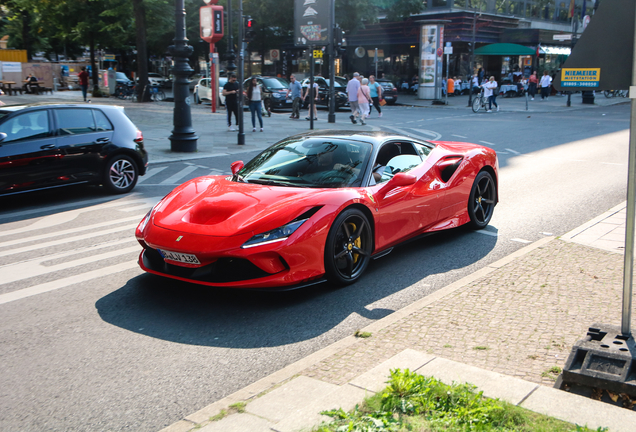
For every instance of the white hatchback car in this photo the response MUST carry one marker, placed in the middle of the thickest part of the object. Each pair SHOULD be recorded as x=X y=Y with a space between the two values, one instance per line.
x=203 y=92
x=155 y=79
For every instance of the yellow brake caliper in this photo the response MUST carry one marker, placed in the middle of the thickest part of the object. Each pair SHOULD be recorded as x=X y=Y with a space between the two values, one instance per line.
x=357 y=242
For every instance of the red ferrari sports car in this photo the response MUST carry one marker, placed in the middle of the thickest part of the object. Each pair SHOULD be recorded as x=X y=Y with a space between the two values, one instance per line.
x=316 y=206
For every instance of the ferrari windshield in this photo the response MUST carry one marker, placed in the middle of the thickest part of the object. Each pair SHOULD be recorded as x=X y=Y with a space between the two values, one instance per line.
x=309 y=162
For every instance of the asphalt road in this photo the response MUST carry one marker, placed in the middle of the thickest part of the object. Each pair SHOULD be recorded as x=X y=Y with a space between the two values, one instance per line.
x=88 y=342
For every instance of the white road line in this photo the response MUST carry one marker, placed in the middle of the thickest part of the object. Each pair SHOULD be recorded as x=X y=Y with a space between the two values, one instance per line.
x=490 y=233
x=151 y=172
x=513 y=152
x=65 y=240
x=62 y=283
x=178 y=176
x=502 y=152
x=136 y=208
x=68 y=231
x=487 y=143
x=520 y=240
x=28 y=269
x=459 y=136
x=433 y=134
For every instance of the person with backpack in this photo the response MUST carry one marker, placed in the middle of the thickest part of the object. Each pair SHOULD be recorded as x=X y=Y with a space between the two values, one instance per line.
x=491 y=89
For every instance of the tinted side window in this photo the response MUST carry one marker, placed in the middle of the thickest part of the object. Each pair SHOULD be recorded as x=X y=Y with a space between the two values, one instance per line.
x=75 y=121
x=29 y=125
x=422 y=150
x=101 y=121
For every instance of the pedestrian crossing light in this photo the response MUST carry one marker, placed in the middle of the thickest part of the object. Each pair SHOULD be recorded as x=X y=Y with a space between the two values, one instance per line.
x=250 y=32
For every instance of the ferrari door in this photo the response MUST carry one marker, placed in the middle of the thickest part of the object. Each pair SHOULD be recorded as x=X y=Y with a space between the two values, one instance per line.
x=403 y=210
x=29 y=157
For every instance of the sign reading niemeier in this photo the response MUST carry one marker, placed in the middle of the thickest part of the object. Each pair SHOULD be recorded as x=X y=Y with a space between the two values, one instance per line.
x=584 y=77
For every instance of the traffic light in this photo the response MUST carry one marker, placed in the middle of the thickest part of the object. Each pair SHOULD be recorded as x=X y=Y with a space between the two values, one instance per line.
x=249 y=30
x=338 y=40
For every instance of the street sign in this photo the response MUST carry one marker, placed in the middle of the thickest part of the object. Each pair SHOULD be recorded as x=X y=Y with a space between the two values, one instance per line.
x=211 y=23
x=311 y=22
x=274 y=54
x=586 y=21
x=448 y=50
x=109 y=56
x=581 y=77
x=562 y=37
x=317 y=54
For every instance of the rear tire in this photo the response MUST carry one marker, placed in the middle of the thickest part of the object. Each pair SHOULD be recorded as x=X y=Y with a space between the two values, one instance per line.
x=482 y=200
x=348 y=247
x=120 y=175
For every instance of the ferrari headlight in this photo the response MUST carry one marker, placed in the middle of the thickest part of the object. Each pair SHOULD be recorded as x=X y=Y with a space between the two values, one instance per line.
x=144 y=222
x=275 y=235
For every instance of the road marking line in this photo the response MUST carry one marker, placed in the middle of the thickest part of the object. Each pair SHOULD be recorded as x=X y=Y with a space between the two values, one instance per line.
x=62 y=283
x=513 y=151
x=546 y=233
x=68 y=231
x=486 y=233
x=487 y=143
x=178 y=176
x=69 y=239
x=28 y=269
x=151 y=172
x=520 y=240
x=459 y=136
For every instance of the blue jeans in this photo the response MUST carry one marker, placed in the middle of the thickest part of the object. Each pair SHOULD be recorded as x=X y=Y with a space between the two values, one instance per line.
x=84 y=90
x=255 y=108
x=492 y=100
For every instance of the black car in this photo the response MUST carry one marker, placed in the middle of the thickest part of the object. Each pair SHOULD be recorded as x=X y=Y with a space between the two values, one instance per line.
x=44 y=146
x=389 y=91
x=274 y=92
x=340 y=88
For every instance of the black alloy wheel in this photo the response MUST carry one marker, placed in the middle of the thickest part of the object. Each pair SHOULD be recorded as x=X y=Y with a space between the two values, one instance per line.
x=483 y=197
x=121 y=174
x=348 y=248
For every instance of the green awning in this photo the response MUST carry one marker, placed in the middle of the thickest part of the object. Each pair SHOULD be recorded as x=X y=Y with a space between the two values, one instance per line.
x=504 y=49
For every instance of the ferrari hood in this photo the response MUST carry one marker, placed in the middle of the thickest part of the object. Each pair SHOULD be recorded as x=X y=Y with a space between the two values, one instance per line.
x=217 y=207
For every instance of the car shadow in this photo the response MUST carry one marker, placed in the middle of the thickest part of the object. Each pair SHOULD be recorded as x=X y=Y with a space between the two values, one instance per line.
x=186 y=313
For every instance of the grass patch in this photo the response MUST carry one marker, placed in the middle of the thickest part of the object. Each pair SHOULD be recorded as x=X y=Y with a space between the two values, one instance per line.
x=448 y=346
x=552 y=373
x=480 y=348
x=221 y=415
x=238 y=407
x=361 y=334
x=413 y=402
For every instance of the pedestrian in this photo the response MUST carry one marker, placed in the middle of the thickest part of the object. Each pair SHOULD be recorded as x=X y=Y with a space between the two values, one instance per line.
x=375 y=89
x=457 y=85
x=254 y=92
x=364 y=100
x=230 y=91
x=475 y=84
x=29 y=82
x=296 y=90
x=490 y=92
x=481 y=74
x=311 y=94
x=83 y=82
x=352 y=92
x=545 y=84
x=532 y=84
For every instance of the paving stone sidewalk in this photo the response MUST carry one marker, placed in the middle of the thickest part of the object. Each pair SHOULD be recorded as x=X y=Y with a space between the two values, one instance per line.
x=519 y=320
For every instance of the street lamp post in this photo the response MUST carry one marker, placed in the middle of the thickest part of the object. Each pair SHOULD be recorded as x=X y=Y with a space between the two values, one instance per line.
x=471 y=66
x=183 y=138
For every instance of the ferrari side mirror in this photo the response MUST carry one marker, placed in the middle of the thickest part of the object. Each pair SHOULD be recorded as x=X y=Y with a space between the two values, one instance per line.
x=398 y=180
x=3 y=136
x=236 y=167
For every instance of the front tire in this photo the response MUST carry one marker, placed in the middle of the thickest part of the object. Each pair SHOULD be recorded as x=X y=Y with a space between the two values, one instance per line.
x=482 y=200
x=476 y=104
x=348 y=247
x=121 y=175
x=196 y=99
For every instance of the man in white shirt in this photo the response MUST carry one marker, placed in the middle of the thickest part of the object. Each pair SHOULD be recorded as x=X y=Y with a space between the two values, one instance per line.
x=545 y=83
x=352 y=91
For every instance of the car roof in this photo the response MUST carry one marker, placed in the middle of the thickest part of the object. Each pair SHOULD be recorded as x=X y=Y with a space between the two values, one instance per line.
x=376 y=138
x=24 y=107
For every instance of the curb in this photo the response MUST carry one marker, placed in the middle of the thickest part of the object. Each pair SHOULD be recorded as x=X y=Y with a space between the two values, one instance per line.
x=568 y=237
x=290 y=371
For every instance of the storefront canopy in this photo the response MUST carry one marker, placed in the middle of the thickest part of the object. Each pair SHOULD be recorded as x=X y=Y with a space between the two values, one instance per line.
x=504 y=49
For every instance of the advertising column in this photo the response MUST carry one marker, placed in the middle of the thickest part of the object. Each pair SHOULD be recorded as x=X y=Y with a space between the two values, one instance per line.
x=431 y=55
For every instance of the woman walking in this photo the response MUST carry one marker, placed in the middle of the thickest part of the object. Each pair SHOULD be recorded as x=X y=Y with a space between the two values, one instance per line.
x=375 y=90
x=491 y=93
x=254 y=96
x=532 y=84
x=364 y=99
x=545 y=83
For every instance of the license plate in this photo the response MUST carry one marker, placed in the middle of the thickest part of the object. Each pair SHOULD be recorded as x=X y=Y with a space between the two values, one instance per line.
x=288 y=101
x=179 y=257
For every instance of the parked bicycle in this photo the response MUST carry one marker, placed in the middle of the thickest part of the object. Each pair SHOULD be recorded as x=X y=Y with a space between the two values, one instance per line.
x=479 y=102
x=123 y=91
x=156 y=94
x=617 y=93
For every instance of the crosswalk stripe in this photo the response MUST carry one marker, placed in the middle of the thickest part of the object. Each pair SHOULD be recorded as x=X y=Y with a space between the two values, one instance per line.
x=15 y=251
x=68 y=231
x=151 y=172
x=68 y=281
x=178 y=176
x=31 y=268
